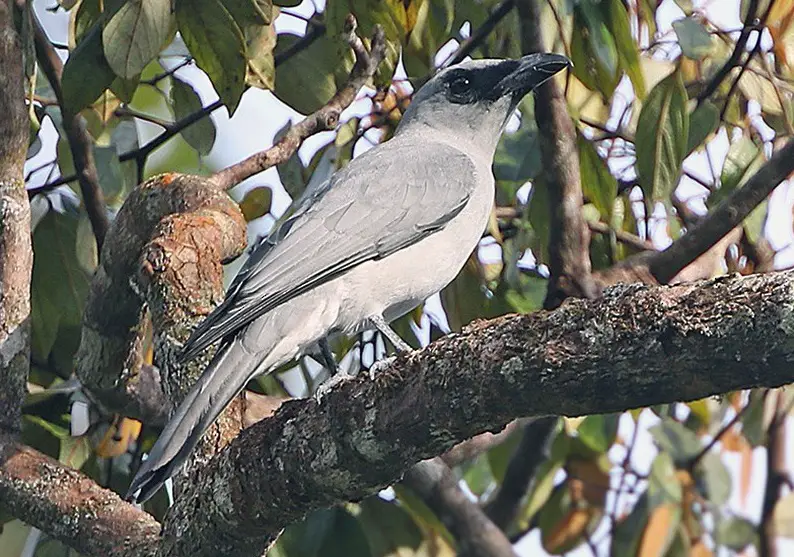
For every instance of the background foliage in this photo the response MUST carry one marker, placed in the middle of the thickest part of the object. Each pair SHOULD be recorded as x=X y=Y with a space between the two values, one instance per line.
x=662 y=137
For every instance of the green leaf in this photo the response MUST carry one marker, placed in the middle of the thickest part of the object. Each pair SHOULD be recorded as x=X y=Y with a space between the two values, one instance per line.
x=86 y=73
x=256 y=203
x=250 y=12
x=261 y=67
x=287 y=3
x=200 y=135
x=752 y=419
x=593 y=50
x=627 y=48
x=662 y=137
x=598 y=183
x=737 y=533
x=713 y=479
x=327 y=533
x=82 y=20
x=674 y=438
x=517 y=157
x=742 y=160
x=693 y=38
x=388 y=527
x=59 y=287
x=308 y=79
x=703 y=121
x=500 y=455
x=599 y=431
x=217 y=43
x=477 y=475
x=135 y=35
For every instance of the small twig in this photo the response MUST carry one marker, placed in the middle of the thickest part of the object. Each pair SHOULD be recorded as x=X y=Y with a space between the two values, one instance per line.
x=735 y=56
x=756 y=49
x=325 y=118
x=161 y=76
x=622 y=236
x=776 y=477
x=719 y=435
x=478 y=36
x=127 y=112
x=49 y=186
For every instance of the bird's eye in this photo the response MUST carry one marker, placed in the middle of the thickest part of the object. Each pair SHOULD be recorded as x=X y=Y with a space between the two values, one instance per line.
x=459 y=86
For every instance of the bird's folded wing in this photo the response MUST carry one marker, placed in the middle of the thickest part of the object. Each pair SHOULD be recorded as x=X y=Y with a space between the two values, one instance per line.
x=383 y=201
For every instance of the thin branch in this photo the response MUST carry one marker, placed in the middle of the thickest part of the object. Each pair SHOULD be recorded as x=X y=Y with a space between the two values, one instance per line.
x=140 y=154
x=80 y=142
x=49 y=186
x=435 y=483
x=313 y=32
x=478 y=36
x=735 y=56
x=776 y=475
x=723 y=218
x=569 y=255
x=504 y=507
x=325 y=118
x=127 y=112
x=168 y=73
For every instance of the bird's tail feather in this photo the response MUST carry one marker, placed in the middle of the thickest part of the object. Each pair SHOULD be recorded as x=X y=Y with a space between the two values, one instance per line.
x=224 y=378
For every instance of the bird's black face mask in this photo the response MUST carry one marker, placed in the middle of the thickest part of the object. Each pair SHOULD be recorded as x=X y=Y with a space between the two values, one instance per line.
x=514 y=78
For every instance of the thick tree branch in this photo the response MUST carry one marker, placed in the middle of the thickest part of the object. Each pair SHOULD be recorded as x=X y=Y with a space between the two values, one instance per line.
x=636 y=346
x=569 y=252
x=79 y=141
x=326 y=118
x=16 y=256
x=435 y=483
x=110 y=357
x=70 y=507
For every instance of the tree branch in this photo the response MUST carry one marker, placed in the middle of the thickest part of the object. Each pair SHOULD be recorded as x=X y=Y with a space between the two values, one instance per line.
x=70 y=507
x=16 y=256
x=79 y=141
x=636 y=346
x=776 y=474
x=326 y=118
x=529 y=455
x=735 y=56
x=477 y=36
x=110 y=357
x=569 y=242
x=725 y=217
x=435 y=483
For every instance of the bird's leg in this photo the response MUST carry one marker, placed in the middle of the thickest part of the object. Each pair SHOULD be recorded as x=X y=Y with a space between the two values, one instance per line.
x=327 y=356
x=399 y=344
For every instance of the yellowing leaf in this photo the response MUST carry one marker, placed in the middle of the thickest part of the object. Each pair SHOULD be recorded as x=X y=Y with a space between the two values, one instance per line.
x=256 y=203
x=118 y=437
x=659 y=531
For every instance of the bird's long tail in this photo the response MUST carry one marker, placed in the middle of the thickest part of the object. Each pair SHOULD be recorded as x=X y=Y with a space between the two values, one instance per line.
x=224 y=378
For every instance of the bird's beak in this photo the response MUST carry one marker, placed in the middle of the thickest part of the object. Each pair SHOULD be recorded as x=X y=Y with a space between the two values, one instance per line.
x=531 y=71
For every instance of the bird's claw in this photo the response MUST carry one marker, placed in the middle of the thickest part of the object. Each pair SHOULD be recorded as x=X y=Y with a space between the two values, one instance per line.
x=381 y=364
x=337 y=379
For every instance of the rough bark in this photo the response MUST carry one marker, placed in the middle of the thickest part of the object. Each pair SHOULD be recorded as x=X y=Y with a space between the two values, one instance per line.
x=70 y=507
x=110 y=357
x=16 y=255
x=636 y=346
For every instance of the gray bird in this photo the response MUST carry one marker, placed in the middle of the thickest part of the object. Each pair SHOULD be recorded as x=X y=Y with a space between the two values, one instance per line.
x=387 y=231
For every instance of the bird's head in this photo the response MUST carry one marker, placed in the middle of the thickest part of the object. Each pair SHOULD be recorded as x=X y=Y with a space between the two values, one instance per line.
x=473 y=100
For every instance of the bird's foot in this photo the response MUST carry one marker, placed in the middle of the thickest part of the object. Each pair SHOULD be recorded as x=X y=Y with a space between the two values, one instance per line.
x=341 y=376
x=380 y=365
